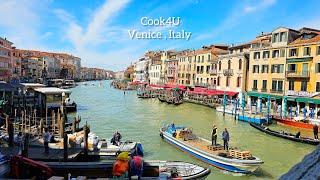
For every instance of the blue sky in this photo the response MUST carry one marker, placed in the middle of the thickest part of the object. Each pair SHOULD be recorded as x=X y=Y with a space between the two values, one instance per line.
x=97 y=30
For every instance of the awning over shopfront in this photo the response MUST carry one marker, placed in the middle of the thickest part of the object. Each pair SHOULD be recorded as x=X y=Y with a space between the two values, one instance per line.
x=308 y=100
x=263 y=95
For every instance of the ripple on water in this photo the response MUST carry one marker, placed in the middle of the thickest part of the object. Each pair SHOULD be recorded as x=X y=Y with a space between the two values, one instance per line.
x=107 y=109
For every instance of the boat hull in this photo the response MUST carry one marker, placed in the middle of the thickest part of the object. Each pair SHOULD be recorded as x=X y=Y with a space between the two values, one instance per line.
x=294 y=123
x=289 y=137
x=212 y=160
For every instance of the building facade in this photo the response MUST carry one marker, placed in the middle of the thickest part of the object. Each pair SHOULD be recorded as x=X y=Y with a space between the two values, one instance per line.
x=230 y=70
x=5 y=59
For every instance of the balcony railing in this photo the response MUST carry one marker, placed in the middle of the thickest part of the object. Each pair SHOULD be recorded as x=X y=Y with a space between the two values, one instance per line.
x=263 y=90
x=214 y=87
x=228 y=72
x=254 y=89
x=297 y=74
x=278 y=91
x=201 y=84
x=213 y=71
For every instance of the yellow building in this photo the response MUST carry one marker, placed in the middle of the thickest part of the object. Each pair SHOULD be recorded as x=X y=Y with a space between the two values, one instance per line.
x=303 y=70
x=186 y=68
x=204 y=58
x=283 y=66
x=267 y=66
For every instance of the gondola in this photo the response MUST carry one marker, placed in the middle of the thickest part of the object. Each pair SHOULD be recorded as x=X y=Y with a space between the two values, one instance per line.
x=285 y=135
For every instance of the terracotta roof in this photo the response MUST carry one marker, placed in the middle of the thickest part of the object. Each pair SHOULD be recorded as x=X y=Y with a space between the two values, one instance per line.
x=298 y=41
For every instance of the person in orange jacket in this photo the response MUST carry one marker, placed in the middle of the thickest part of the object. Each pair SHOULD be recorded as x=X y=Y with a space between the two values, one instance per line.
x=121 y=165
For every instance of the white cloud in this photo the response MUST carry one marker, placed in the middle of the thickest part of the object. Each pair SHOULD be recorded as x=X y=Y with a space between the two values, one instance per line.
x=80 y=37
x=261 y=4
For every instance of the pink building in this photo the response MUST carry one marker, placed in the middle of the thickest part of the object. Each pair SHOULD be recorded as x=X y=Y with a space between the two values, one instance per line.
x=5 y=59
x=171 y=71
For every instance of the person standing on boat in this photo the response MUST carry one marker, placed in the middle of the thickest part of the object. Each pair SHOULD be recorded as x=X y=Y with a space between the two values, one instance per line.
x=315 y=131
x=116 y=138
x=225 y=138
x=214 y=135
x=46 y=140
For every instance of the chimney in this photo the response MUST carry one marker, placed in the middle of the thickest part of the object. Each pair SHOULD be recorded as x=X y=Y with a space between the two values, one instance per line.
x=262 y=33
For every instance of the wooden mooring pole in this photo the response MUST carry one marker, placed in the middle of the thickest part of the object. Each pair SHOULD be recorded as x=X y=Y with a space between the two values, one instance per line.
x=10 y=130
x=65 y=147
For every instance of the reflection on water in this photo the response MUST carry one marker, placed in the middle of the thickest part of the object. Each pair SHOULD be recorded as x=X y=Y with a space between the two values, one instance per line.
x=107 y=110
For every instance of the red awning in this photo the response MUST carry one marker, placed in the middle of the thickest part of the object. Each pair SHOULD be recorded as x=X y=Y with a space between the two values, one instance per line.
x=200 y=89
x=231 y=93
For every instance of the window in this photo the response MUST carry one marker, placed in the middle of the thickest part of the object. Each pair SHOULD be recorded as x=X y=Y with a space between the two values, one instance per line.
x=283 y=36
x=277 y=68
x=202 y=60
x=227 y=81
x=275 y=53
x=318 y=50
x=265 y=69
x=209 y=57
x=229 y=64
x=255 y=84
x=275 y=38
x=291 y=85
x=293 y=52
x=218 y=83
x=255 y=68
x=238 y=81
x=198 y=59
x=318 y=87
x=256 y=55
x=306 y=51
x=219 y=65
x=282 y=52
x=304 y=85
x=280 y=85
x=274 y=85
x=240 y=64
x=318 y=68
x=264 y=85
x=292 y=67
x=266 y=54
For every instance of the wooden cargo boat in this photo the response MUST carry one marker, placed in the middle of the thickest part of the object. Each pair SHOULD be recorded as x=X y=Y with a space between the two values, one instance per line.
x=184 y=139
x=285 y=135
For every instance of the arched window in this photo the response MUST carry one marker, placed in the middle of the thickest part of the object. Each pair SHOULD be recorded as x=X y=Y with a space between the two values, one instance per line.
x=218 y=82
x=219 y=65
x=229 y=64
x=240 y=64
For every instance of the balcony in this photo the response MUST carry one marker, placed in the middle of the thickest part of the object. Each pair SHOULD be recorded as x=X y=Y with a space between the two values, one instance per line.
x=278 y=91
x=201 y=84
x=263 y=90
x=213 y=71
x=297 y=74
x=213 y=87
x=254 y=89
x=228 y=72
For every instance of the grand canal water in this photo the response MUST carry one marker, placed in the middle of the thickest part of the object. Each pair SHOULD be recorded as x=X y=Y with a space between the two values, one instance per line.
x=107 y=109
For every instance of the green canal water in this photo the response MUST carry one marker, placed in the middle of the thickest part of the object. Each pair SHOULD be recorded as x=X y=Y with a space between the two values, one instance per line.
x=107 y=109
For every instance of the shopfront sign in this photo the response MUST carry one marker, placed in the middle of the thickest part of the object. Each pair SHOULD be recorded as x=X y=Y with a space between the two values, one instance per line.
x=300 y=93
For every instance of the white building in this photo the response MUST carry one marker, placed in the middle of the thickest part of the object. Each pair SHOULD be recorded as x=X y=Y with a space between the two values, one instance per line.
x=141 y=70
x=154 y=74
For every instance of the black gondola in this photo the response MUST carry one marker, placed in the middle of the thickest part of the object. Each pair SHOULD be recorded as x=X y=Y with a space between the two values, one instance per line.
x=285 y=135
